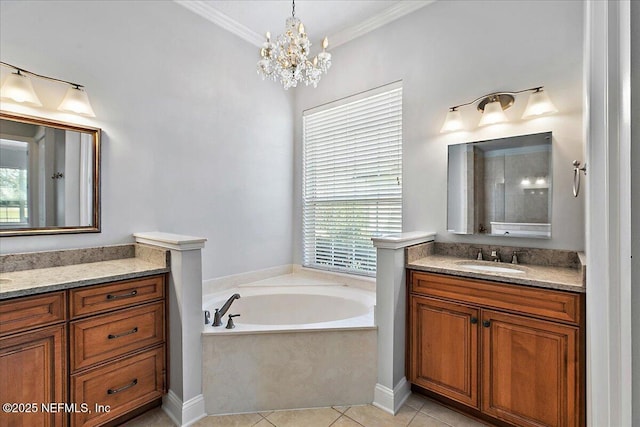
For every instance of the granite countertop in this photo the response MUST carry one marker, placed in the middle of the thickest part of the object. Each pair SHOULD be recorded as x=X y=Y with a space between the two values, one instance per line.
x=47 y=279
x=561 y=278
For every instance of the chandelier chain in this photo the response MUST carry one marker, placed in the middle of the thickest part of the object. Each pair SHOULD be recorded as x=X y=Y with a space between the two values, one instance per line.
x=293 y=8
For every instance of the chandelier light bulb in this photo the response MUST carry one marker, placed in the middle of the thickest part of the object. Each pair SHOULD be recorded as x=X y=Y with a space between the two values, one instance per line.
x=325 y=43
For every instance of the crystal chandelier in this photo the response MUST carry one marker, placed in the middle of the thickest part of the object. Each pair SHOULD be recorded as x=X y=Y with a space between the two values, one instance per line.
x=287 y=58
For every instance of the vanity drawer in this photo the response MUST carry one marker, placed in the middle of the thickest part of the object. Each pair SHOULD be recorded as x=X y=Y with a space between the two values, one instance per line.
x=100 y=338
x=122 y=385
x=20 y=314
x=98 y=299
x=545 y=303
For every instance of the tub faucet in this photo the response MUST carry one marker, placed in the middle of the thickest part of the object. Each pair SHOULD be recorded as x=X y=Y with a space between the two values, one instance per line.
x=230 y=324
x=217 y=316
x=514 y=257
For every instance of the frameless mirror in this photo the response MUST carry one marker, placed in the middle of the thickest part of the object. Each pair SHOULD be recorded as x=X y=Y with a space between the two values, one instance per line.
x=49 y=177
x=501 y=187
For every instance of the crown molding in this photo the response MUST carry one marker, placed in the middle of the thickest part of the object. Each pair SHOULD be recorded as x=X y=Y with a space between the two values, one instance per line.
x=398 y=10
x=207 y=11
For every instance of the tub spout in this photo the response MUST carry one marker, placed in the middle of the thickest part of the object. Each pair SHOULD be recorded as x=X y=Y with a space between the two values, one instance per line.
x=217 y=316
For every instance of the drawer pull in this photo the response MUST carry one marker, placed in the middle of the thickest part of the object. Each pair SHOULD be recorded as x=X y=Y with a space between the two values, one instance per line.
x=118 y=390
x=122 y=334
x=130 y=294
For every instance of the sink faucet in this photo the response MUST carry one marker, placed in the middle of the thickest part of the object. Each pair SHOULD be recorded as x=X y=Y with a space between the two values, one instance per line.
x=479 y=255
x=495 y=255
x=217 y=316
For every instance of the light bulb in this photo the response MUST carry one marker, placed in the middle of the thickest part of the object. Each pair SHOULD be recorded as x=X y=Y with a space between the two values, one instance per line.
x=493 y=114
x=76 y=101
x=538 y=105
x=452 y=122
x=18 y=88
x=325 y=43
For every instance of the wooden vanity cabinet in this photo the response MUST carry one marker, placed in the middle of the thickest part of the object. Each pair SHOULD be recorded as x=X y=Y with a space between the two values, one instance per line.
x=105 y=359
x=529 y=370
x=33 y=370
x=117 y=348
x=509 y=352
x=33 y=362
x=444 y=348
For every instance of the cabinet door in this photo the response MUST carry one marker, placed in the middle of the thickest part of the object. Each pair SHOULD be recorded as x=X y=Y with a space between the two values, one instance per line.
x=33 y=369
x=443 y=348
x=529 y=370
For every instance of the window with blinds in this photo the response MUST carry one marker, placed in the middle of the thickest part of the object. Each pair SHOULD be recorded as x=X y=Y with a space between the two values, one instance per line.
x=352 y=179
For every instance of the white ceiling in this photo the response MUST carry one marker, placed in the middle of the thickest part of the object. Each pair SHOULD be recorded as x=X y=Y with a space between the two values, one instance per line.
x=340 y=20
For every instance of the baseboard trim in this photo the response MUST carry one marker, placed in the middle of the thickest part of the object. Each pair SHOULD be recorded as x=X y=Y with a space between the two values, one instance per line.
x=183 y=413
x=391 y=400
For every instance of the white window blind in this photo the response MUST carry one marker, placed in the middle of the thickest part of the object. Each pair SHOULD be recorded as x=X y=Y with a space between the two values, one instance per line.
x=352 y=179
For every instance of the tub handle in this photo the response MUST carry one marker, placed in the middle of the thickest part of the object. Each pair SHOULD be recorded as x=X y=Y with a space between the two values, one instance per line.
x=230 y=324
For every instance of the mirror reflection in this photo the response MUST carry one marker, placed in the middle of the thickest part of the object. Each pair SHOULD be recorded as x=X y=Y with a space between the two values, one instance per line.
x=501 y=187
x=48 y=177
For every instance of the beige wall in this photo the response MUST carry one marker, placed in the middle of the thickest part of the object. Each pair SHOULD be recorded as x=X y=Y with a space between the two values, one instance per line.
x=194 y=142
x=448 y=53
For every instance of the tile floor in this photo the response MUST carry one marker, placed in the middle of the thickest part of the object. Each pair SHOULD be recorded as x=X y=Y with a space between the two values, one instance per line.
x=418 y=411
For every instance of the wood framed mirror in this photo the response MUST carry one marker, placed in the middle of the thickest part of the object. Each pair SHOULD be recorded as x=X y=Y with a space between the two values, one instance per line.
x=49 y=177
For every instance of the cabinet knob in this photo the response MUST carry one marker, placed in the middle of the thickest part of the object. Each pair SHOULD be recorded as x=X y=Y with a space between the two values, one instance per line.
x=486 y=323
x=474 y=320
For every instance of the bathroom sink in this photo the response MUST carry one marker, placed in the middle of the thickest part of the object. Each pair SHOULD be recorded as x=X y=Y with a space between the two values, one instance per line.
x=490 y=268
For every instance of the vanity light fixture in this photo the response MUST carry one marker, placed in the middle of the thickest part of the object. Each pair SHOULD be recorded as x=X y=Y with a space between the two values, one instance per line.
x=17 y=87
x=492 y=107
